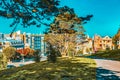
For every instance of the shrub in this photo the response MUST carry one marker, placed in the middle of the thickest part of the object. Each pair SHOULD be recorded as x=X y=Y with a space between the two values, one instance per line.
x=37 y=56
x=3 y=61
x=109 y=54
x=9 y=52
x=79 y=53
x=52 y=55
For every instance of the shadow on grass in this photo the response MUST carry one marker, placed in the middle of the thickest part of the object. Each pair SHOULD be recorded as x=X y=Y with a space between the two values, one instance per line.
x=104 y=74
x=64 y=69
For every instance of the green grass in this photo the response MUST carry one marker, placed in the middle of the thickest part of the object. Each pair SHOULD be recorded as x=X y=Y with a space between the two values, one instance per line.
x=111 y=54
x=64 y=69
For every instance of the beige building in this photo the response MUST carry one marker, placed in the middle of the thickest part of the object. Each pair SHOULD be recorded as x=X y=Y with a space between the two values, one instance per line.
x=85 y=47
x=102 y=43
x=98 y=43
x=107 y=42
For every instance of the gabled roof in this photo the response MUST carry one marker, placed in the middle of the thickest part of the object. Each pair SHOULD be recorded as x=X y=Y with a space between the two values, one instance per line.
x=106 y=37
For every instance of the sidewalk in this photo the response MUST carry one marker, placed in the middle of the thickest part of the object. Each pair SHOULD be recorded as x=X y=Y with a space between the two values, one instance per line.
x=107 y=69
x=17 y=64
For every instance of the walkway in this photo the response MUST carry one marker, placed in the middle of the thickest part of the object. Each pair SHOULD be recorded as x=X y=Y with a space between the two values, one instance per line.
x=17 y=64
x=108 y=69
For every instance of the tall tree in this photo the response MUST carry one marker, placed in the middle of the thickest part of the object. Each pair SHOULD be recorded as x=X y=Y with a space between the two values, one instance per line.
x=64 y=32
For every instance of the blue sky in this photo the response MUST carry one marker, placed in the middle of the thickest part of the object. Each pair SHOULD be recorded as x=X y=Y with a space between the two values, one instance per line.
x=106 y=20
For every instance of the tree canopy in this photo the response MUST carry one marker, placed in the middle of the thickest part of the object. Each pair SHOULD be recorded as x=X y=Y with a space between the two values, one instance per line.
x=64 y=31
x=28 y=12
x=32 y=12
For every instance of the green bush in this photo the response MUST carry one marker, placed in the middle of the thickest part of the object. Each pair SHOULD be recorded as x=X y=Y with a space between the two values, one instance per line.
x=52 y=55
x=37 y=56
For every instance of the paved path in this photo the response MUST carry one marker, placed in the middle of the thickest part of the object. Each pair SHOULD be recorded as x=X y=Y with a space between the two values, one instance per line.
x=108 y=69
x=17 y=64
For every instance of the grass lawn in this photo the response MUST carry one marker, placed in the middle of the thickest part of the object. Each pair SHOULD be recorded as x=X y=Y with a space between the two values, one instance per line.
x=77 y=68
x=111 y=54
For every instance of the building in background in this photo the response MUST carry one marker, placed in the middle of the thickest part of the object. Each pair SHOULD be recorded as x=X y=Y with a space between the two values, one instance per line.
x=18 y=44
x=37 y=42
x=28 y=40
x=97 y=42
x=23 y=40
x=85 y=47
x=1 y=36
x=107 y=43
x=100 y=43
x=34 y=41
x=19 y=36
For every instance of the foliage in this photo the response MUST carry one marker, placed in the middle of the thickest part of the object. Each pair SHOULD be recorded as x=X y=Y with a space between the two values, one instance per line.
x=52 y=54
x=16 y=57
x=28 y=12
x=37 y=55
x=111 y=54
x=64 y=31
x=79 y=52
x=116 y=38
x=3 y=61
x=25 y=51
x=107 y=48
x=65 y=69
x=31 y=12
x=31 y=52
x=9 y=52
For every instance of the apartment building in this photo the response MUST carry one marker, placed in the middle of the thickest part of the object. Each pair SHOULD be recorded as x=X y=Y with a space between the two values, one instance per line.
x=22 y=40
x=37 y=42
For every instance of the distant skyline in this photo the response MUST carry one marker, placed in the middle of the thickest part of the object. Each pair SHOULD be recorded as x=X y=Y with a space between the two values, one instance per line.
x=105 y=21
